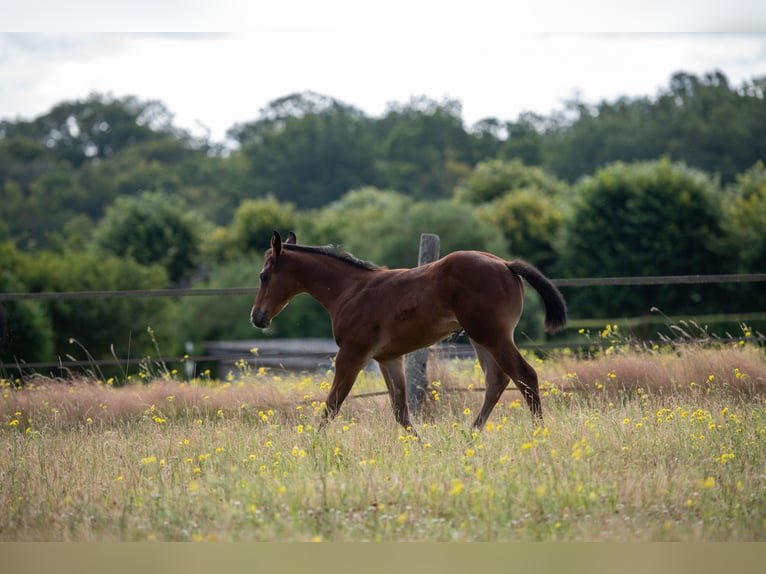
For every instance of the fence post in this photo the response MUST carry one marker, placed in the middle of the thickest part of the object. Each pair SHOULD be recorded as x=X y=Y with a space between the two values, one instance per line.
x=416 y=363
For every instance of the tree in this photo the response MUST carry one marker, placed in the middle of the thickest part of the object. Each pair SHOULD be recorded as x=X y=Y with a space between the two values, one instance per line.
x=207 y=182
x=494 y=178
x=424 y=148
x=600 y=134
x=487 y=136
x=530 y=223
x=26 y=334
x=152 y=228
x=100 y=325
x=345 y=222
x=744 y=220
x=306 y=149
x=525 y=139
x=256 y=219
x=38 y=192
x=702 y=121
x=645 y=218
x=524 y=202
x=95 y=128
x=385 y=227
x=707 y=123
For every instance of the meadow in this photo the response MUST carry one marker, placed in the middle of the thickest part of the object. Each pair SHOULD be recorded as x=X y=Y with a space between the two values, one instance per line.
x=639 y=444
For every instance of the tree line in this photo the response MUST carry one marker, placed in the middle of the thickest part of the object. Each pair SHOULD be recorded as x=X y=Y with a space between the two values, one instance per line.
x=106 y=193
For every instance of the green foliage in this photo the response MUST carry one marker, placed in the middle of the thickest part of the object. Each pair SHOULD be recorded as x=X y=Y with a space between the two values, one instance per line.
x=702 y=121
x=526 y=139
x=256 y=219
x=641 y=219
x=38 y=192
x=385 y=227
x=152 y=228
x=425 y=149
x=218 y=246
x=98 y=324
x=228 y=318
x=495 y=178
x=25 y=331
x=343 y=220
x=744 y=220
x=395 y=238
x=523 y=201
x=208 y=183
x=95 y=128
x=221 y=318
x=91 y=162
x=307 y=149
x=530 y=223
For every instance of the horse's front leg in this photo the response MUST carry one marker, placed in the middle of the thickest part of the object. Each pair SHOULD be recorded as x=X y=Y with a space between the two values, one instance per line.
x=393 y=374
x=347 y=367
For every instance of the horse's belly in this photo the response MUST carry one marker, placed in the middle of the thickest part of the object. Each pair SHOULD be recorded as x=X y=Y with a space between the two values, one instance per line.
x=407 y=336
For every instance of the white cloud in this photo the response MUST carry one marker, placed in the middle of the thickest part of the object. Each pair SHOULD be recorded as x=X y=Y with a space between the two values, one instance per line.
x=220 y=79
x=510 y=16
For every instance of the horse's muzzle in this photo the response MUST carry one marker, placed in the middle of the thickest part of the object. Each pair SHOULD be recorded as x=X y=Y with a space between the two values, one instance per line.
x=259 y=318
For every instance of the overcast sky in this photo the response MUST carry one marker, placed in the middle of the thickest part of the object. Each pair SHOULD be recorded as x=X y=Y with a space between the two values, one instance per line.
x=499 y=58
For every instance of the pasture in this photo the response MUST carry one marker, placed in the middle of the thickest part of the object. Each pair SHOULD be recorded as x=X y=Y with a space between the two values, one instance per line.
x=642 y=444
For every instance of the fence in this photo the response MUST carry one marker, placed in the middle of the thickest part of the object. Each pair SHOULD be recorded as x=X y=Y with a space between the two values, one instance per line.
x=292 y=354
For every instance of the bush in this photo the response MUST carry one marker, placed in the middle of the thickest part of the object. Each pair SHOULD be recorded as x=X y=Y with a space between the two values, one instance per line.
x=256 y=219
x=25 y=330
x=385 y=227
x=152 y=228
x=643 y=219
x=101 y=325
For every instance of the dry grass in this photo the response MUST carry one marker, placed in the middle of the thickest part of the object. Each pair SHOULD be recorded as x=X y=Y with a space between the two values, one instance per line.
x=642 y=445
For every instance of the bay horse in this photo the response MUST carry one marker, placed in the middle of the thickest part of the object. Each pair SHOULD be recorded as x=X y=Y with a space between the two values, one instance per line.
x=382 y=314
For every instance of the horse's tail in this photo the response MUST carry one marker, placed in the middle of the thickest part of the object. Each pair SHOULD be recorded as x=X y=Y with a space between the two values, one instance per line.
x=555 y=307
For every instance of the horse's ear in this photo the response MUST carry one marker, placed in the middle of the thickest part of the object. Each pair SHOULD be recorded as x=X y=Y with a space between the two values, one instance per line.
x=276 y=244
x=291 y=239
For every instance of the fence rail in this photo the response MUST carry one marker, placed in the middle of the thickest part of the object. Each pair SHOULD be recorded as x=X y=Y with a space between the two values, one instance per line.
x=582 y=282
x=127 y=294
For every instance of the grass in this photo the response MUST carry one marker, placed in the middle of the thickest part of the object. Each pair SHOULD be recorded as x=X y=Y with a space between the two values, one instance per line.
x=640 y=445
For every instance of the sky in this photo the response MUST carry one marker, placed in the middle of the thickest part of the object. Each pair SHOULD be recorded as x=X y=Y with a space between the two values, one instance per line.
x=215 y=64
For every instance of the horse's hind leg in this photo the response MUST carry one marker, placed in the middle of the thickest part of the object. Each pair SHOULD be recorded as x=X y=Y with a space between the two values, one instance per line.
x=508 y=358
x=393 y=374
x=525 y=377
x=496 y=381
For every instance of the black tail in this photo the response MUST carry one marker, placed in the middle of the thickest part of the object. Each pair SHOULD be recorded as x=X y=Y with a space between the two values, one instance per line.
x=555 y=307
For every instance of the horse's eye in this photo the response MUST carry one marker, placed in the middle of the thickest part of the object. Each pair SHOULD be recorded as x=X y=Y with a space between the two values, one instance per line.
x=264 y=278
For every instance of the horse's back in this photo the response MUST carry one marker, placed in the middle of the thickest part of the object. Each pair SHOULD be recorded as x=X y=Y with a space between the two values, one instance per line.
x=474 y=267
x=479 y=284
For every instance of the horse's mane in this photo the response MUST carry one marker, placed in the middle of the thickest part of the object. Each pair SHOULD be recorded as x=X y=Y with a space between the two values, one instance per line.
x=335 y=252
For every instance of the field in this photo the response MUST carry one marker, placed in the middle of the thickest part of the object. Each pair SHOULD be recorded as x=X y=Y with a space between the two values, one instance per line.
x=642 y=444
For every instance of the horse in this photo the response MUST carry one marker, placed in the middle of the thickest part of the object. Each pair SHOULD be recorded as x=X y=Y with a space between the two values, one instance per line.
x=382 y=314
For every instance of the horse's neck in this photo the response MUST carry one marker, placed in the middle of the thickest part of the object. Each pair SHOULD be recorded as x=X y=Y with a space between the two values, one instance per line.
x=327 y=280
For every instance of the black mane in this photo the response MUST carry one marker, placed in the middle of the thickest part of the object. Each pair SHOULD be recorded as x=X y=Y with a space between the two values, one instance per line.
x=336 y=253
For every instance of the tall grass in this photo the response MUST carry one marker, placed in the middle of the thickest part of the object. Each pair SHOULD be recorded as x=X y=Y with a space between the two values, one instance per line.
x=650 y=444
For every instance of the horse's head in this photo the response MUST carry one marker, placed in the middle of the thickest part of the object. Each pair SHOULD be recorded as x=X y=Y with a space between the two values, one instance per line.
x=276 y=288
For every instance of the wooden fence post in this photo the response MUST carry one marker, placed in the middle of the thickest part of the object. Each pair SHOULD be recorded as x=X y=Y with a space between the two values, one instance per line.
x=416 y=363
